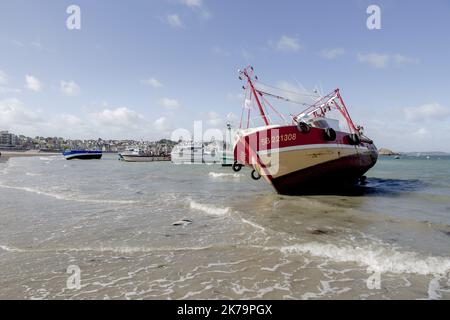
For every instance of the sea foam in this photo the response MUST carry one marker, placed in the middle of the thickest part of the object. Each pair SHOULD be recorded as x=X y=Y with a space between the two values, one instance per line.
x=224 y=175
x=377 y=259
x=209 y=209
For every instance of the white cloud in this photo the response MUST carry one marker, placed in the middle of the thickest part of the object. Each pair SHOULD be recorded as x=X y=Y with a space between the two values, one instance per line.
x=69 y=88
x=174 y=20
x=18 y=43
x=152 y=82
x=332 y=54
x=427 y=112
x=198 y=6
x=37 y=45
x=108 y=123
x=161 y=124
x=7 y=90
x=213 y=119
x=422 y=133
x=117 y=118
x=235 y=97
x=33 y=83
x=401 y=59
x=192 y=3
x=288 y=44
x=3 y=78
x=247 y=55
x=381 y=61
x=4 y=89
x=15 y=117
x=376 y=60
x=220 y=51
x=169 y=103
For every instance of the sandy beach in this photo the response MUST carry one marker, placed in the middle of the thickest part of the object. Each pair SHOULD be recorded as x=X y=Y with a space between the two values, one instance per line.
x=5 y=155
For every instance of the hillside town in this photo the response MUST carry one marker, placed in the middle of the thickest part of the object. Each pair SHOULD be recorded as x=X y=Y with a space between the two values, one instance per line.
x=13 y=142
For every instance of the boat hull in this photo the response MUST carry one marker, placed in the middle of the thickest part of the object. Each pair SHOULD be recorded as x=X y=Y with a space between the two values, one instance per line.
x=298 y=163
x=325 y=177
x=82 y=155
x=134 y=158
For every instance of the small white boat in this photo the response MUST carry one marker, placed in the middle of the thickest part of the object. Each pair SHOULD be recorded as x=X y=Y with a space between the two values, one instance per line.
x=140 y=155
x=214 y=152
x=187 y=152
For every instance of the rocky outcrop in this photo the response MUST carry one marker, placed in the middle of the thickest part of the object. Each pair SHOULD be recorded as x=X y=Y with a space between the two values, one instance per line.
x=387 y=152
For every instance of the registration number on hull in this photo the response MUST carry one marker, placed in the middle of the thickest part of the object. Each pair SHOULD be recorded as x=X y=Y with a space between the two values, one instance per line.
x=278 y=138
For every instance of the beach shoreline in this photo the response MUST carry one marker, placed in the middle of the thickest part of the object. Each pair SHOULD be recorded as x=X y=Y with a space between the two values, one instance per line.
x=5 y=155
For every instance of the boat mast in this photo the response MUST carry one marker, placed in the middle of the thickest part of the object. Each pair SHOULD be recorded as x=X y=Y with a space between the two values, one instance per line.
x=250 y=82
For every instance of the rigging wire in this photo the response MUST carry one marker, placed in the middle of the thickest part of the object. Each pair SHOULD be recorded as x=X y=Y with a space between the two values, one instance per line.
x=289 y=91
x=283 y=98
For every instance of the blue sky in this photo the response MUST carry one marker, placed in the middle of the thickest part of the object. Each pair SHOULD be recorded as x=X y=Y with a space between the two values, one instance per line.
x=140 y=69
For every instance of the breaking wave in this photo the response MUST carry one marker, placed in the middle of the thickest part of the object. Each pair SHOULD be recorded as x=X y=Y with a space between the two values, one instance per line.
x=224 y=175
x=254 y=225
x=33 y=174
x=380 y=259
x=121 y=250
x=48 y=158
x=10 y=249
x=208 y=209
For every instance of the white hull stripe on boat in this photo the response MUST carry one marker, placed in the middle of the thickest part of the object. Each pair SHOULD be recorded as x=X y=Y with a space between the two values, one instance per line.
x=312 y=146
x=81 y=154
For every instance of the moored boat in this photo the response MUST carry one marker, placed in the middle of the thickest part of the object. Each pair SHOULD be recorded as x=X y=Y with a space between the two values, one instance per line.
x=82 y=154
x=140 y=155
x=312 y=153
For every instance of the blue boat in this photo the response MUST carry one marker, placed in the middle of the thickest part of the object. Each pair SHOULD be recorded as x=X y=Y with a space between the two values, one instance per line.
x=82 y=154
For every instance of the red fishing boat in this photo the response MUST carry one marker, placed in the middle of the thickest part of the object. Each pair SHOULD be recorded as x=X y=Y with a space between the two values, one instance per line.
x=317 y=150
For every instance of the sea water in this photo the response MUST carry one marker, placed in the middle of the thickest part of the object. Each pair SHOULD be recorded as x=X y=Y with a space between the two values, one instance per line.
x=113 y=220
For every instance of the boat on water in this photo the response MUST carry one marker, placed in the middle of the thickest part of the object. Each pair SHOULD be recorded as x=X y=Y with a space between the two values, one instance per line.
x=82 y=154
x=319 y=149
x=141 y=155
x=187 y=152
x=194 y=152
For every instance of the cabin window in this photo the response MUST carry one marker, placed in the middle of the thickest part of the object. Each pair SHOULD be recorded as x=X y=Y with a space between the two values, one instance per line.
x=321 y=124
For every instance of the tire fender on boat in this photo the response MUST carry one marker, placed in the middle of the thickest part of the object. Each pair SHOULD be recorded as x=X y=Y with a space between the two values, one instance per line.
x=354 y=139
x=255 y=175
x=329 y=134
x=303 y=127
x=237 y=166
